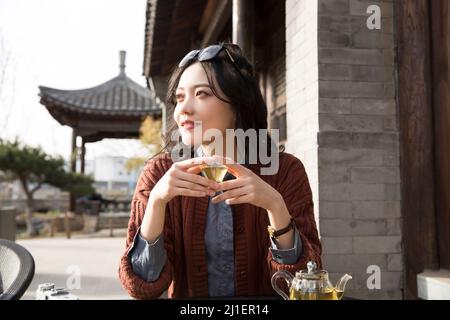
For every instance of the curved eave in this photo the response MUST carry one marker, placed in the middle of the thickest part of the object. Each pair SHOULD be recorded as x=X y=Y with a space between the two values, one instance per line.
x=51 y=102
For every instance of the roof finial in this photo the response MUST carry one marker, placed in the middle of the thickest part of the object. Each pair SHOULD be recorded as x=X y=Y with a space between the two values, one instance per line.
x=122 y=55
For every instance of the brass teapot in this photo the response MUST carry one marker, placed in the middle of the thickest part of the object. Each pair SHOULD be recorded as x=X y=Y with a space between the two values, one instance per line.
x=311 y=284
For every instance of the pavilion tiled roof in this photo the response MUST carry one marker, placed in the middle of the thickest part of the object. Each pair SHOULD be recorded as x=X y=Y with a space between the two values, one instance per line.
x=119 y=96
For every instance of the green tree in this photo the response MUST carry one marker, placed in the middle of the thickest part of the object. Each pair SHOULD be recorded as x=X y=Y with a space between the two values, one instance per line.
x=33 y=167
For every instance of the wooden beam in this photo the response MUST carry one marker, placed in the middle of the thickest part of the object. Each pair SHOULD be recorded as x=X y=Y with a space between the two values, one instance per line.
x=416 y=136
x=441 y=116
x=244 y=26
x=215 y=17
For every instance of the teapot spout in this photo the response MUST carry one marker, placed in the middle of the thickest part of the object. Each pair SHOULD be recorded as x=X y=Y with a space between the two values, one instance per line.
x=340 y=286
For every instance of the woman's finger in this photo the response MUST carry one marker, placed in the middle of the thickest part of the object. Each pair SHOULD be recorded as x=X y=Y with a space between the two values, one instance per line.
x=190 y=185
x=188 y=163
x=238 y=200
x=189 y=193
x=234 y=193
x=190 y=177
x=231 y=184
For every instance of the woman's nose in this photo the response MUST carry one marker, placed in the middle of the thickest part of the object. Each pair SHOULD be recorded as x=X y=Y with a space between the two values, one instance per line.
x=186 y=106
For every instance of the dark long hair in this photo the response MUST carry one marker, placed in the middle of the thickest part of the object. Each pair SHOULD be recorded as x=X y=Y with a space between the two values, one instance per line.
x=237 y=82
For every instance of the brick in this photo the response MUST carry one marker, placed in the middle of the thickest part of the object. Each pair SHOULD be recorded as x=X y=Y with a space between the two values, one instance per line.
x=388 y=57
x=392 y=192
x=380 y=244
x=391 y=280
x=336 y=245
x=335 y=72
x=334 y=7
x=389 y=90
x=333 y=39
x=395 y=262
x=368 y=39
x=334 y=139
x=391 y=159
x=334 y=174
x=366 y=294
x=335 y=209
x=334 y=23
x=358 y=7
x=351 y=56
x=352 y=123
x=367 y=123
x=353 y=157
x=368 y=191
x=353 y=263
x=390 y=123
x=375 y=175
x=368 y=73
x=335 y=122
x=394 y=227
x=335 y=192
x=388 y=280
x=335 y=106
x=376 y=209
x=351 y=89
x=373 y=106
x=352 y=227
x=375 y=140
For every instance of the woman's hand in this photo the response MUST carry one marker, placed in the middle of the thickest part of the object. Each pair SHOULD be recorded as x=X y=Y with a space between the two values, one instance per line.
x=250 y=188
x=182 y=179
x=247 y=188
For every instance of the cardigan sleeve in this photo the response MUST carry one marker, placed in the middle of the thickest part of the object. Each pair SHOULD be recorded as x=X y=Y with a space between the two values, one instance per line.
x=136 y=286
x=294 y=187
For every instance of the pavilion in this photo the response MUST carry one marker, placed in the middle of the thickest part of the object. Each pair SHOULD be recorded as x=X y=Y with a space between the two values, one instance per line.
x=114 y=109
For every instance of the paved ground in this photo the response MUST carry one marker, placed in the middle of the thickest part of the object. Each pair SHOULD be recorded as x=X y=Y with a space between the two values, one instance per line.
x=96 y=258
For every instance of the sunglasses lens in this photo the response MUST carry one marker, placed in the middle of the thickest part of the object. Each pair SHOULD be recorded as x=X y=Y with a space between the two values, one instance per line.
x=191 y=55
x=209 y=52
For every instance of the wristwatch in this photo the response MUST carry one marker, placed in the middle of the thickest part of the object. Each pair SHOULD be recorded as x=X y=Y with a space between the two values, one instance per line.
x=276 y=233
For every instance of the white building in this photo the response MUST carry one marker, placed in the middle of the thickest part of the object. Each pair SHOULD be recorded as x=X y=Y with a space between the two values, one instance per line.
x=110 y=174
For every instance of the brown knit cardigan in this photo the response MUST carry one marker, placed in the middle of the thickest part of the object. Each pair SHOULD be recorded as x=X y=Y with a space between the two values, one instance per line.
x=185 y=271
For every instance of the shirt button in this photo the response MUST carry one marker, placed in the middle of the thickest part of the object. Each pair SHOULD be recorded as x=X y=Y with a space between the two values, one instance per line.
x=243 y=274
x=240 y=229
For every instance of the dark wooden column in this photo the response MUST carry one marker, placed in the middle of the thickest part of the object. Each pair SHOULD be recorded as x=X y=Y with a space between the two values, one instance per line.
x=73 y=167
x=73 y=154
x=416 y=137
x=441 y=115
x=244 y=26
x=83 y=155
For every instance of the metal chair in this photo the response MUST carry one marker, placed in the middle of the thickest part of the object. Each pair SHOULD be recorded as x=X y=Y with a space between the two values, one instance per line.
x=16 y=270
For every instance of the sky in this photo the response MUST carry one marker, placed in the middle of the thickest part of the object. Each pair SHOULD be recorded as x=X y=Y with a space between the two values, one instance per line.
x=65 y=44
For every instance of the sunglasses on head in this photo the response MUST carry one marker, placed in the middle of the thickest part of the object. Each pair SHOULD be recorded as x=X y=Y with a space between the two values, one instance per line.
x=205 y=54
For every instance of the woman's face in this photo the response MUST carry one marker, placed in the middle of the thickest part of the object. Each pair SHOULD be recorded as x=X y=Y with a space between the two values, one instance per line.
x=196 y=102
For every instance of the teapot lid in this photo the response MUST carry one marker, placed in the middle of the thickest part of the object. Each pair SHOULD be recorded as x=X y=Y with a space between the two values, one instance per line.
x=312 y=273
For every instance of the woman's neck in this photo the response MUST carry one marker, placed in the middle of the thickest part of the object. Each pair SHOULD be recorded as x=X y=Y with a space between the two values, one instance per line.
x=210 y=150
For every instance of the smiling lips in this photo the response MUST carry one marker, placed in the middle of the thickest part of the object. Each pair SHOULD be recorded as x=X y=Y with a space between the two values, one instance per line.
x=188 y=124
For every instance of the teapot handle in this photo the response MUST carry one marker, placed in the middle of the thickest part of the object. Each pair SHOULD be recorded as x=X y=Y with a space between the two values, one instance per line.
x=287 y=277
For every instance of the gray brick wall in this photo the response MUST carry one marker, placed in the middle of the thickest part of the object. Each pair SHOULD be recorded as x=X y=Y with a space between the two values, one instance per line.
x=342 y=123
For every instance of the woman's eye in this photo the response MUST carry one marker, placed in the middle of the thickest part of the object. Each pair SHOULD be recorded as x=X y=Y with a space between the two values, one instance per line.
x=178 y=97
x=200 y=92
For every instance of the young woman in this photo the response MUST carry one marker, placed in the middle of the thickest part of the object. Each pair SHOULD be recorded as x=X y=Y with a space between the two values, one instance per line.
x=199 y=238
